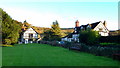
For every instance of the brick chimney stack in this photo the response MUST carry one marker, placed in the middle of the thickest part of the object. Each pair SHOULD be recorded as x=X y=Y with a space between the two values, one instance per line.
x=77 y=23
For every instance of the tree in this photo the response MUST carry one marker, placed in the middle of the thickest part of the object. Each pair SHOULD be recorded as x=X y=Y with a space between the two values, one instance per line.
x=48 y=35
x=54 y=33
x=10 y=29
x=20 y=24
x=89 y=37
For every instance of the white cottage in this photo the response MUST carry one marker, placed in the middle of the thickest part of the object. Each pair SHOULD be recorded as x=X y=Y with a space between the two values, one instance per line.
x=101 y=27
x=29 y=36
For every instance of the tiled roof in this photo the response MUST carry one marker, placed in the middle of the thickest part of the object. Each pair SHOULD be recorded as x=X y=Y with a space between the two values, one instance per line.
x=93 y=25
x=69 y=35
x=27 y=29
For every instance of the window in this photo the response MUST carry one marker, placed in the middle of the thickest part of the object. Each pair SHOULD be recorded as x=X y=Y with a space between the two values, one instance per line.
x=36 y=36
x=30 y=35
x=100 y=29
x=88 y=26
x=75 y=36
x=81 y=27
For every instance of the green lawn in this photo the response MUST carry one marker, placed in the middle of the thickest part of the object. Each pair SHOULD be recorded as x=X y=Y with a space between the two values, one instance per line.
x=46 y=55
x=109 y=44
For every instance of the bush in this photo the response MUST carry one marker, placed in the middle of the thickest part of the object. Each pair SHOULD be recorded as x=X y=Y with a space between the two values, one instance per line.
x=110 y=39
x=99 y=50
x=96 y=50
x=89 y=37
x=7 y=41
x=67 y=45
x=52 y=43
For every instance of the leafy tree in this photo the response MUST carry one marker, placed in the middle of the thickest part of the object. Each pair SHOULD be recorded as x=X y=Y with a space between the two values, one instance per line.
x=48 y=35
x=20 y=24
x=0 y=25
x=54 y=33
x=7 y=41
x=89 y=37
x=10 y=29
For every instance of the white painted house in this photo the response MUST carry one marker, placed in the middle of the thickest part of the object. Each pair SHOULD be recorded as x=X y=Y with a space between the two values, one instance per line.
x=29 y=36
x=100 y=26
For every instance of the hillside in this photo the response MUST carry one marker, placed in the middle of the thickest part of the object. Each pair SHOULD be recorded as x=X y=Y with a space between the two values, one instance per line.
x=67 y=31
x=114 y=33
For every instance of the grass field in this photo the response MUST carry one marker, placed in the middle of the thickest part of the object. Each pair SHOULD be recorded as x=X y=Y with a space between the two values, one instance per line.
x=109 y=44
x=46 y=55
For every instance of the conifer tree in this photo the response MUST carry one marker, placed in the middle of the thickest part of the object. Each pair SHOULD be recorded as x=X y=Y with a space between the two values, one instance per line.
x=54 y=33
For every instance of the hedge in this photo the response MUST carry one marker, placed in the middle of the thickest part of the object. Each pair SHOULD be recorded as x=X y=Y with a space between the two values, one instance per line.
x=96 y=50
x=110 y=39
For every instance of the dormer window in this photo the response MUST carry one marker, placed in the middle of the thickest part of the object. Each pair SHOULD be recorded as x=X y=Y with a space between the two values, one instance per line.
x=88 y=26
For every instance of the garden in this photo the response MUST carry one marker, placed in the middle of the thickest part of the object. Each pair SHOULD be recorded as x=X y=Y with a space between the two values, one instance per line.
x=47 y=55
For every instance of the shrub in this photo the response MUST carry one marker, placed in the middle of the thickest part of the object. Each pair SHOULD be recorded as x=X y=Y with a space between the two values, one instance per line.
x=7 y=41
x=100 y=51
x=68 y=45
x=84 y=47
x=110 y=39
x=96 y=50
x=89 y=37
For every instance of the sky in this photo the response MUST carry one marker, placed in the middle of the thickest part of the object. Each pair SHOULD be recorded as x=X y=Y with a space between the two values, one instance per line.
x=43 y=13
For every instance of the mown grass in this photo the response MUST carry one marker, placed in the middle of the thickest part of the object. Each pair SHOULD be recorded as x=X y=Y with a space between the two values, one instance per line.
x=109 y=44
x=46 y=55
